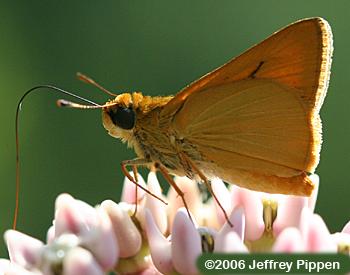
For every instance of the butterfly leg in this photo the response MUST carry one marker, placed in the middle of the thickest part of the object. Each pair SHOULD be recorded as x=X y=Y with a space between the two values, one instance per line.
x=137 y=162
x=171 y=181
x=208 y=185
x=134 y=169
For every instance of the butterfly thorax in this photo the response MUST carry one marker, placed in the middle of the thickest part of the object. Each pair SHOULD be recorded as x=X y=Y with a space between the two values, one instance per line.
x=135 y=119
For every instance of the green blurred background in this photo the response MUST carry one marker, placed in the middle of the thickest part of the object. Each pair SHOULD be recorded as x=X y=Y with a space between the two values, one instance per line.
x=156 y=47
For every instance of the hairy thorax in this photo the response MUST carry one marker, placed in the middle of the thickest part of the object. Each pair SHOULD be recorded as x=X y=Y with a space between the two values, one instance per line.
x=152 y=138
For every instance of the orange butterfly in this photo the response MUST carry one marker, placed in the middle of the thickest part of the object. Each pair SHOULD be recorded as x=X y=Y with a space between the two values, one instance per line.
x=253 y=122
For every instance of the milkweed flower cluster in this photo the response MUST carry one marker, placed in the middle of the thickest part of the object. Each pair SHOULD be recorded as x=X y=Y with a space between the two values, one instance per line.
x=163 y=239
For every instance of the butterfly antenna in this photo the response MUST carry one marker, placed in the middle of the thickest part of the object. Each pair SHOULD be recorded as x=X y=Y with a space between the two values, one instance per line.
x=92 y=105
x=89 y=80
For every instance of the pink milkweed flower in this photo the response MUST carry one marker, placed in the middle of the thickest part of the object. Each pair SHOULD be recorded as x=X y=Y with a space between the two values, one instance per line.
x=163 y=239
x=250 y=202
x=128 y=226
x=346 y=228
x=81 y=241
x=312 y=235
x=178 y=252
x=91 y=225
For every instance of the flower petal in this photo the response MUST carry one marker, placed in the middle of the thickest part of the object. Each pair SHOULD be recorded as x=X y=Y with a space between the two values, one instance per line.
x=346 y=228
x=160 y=247
x=157 y=208
x=225 y=241
x=315 y=233
x=289 y=241
x=73 y=216
x=253 y=211
x=23 y=249
x=150 y=271
x=192 y=197
x=92 y=226
x=101 y=241
x=129 y=189
x=128 y=236
x=209 y=215
x=223 y=194
x=312 y=199
x=79 y=261
x=237 y=218
x=4 y=265
x=11 y=268
x=185 y=244
x=50 y=234
x=341 y=238
x=229 y=243
x=288 y=212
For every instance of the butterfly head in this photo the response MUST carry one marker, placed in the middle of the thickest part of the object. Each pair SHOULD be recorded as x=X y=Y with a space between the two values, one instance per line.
x=119 y=116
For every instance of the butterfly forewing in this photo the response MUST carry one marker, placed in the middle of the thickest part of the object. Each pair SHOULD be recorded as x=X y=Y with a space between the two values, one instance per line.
x=255 y=119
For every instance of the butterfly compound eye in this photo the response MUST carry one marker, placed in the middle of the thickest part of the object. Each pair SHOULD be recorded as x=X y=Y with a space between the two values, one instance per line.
x=123 y=117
